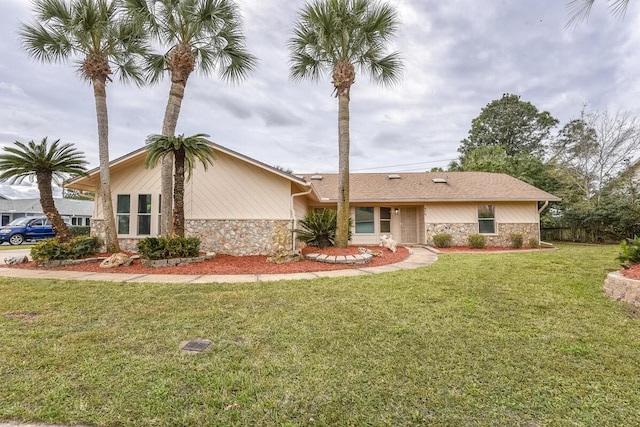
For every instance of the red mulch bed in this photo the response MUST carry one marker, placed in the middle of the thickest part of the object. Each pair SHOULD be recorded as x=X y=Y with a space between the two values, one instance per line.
x=632 y=272
x=254 y=264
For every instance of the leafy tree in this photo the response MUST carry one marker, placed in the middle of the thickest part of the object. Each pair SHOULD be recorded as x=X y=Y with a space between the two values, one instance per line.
x=186 y=151
x=592 y=151
x=517 y=126
x=94 y=34
x=338 y=36
x=526 y=167
x=196 y=35
x=46 y=164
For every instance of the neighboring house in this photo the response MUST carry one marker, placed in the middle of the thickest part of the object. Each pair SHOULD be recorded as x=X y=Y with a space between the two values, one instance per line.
x=241 y=206
x=78 y=212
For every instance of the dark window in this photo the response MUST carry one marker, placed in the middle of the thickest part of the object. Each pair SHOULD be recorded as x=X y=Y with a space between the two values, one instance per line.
x=486 y=219
x=144 y=214
x=385 y=220
x=364 y=220
x=124 y=213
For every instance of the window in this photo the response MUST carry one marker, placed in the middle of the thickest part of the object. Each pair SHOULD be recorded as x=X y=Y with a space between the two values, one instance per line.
x=144 y=214
x=486 y=219
x=385 y=220
x=364 y=220
x=124 y=213
x=159 y=214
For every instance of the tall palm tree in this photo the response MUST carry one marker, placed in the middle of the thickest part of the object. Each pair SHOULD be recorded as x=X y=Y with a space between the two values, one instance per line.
x=196 y=35
x=341 y=36
x=46 y=164
x=95 y=35
x=579 y=10
x=186 y=150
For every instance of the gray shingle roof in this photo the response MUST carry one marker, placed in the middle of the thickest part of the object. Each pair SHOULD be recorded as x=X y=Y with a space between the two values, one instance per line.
x=421 y=187
x=66 y=207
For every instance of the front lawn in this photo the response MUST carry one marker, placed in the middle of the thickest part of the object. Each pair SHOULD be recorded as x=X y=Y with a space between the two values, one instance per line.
x=521 y=339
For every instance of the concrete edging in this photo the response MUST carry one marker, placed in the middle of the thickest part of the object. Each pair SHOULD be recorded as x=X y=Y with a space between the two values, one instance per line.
x=622 y=288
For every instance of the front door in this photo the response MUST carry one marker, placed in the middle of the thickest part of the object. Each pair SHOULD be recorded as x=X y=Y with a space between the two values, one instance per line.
x=409 y=226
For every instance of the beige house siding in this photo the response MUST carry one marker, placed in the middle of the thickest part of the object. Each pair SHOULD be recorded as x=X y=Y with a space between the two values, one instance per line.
x=437 y=213
x=517 y=213
x=235 y=189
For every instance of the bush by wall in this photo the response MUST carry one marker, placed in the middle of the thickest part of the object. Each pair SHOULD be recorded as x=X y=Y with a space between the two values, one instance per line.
x=516 y=239
x=79 y=230
x=169 y=247
x=477 y=241
x=630 y=251
x=442 y=240
x=76 y=248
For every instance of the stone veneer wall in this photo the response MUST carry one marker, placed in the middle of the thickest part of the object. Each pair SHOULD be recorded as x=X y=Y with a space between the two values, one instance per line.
x=233 y=237
x=242 y=237
x=461 y=231
x=98 y=230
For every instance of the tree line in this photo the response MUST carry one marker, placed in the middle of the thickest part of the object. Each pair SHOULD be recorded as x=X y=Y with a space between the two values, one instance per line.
x=588 y=162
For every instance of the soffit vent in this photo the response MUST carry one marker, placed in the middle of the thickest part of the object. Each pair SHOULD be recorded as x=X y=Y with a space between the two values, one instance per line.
x=393 y=176
x=439 y=180
x=316 y=177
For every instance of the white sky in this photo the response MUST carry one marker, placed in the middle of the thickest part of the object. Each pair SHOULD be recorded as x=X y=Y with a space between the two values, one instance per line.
x=459 y=55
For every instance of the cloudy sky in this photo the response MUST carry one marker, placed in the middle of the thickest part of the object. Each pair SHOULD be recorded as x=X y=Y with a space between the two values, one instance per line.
x=459 y=55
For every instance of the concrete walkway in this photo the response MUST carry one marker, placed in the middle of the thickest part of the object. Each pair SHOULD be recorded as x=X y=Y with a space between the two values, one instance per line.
x=419 y=257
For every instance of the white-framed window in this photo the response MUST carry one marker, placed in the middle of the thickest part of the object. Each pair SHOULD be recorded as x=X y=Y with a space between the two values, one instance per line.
x=144 y=214
x=123 y=210
x=365 y=221
x=385 y=220
x=486 y=219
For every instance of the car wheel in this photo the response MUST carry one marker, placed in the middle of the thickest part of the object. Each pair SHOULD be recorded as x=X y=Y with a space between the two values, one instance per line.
x=16 y=239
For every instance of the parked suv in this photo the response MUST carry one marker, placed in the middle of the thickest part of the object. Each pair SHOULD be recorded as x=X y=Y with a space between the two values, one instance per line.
x=26 y=228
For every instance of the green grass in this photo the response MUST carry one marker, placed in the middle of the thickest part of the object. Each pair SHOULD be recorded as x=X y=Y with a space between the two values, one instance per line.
x=4 y=247
x=522 y=339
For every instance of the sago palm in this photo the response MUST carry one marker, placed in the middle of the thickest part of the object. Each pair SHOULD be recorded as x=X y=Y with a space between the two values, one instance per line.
x=341 y=37
x=195 y=35
x=186 y=151
x=46 y=164
x=95 y=35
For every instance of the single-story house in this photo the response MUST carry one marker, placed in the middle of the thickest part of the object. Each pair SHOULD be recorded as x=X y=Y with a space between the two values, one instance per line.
x=242 y=206
x=78 y=212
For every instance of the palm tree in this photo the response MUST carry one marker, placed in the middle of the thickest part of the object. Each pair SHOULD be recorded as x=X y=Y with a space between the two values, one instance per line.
x=202 y=35
x=340 y=36
x=579 y=10
x=46 y=164
x=95 y=35
x=186 y=151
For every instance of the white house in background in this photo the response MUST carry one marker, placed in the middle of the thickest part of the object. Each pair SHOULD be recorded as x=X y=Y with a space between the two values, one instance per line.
x=77 y=211
x=242 y=206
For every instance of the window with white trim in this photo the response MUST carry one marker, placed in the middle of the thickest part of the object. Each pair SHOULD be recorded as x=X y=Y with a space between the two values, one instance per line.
x=365 y=223
x=486 y=219
x=144 y=214
x=385 y=220
x=123 y=211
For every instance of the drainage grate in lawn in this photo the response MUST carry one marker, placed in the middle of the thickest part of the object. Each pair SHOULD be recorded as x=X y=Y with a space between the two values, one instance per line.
x=196 y=345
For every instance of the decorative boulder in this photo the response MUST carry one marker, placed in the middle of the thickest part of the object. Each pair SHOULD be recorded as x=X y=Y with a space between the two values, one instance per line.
x=16 y=260
x=388 y=242
x=116 y=260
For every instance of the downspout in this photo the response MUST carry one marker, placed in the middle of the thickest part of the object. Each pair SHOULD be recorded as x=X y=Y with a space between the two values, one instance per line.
x=293 y=214
x=544 y=206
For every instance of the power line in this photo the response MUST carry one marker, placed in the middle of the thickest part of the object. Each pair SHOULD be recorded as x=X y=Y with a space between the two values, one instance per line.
x=406 y=164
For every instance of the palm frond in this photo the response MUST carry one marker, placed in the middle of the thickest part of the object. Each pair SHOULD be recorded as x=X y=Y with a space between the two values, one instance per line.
x=579 y=10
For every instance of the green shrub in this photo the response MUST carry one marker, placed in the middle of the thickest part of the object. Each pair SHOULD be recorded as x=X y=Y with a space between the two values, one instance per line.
x=79 y=230
x=477 y=241
x=533 y=242
x=76 y=248
x=630 y=251
x=442 y=240
x=516 y=240
x=169 y=247
x=318 y=228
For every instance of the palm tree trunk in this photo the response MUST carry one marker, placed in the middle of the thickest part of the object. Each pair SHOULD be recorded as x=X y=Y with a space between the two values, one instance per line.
x=49 y=207
x=111 y=235
x=178 y=195
x=171 y=114
x=342 y=229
